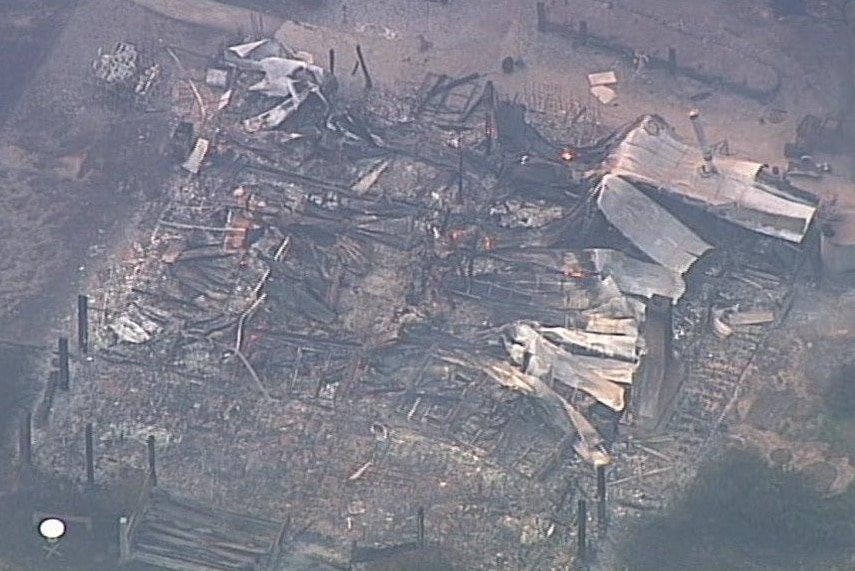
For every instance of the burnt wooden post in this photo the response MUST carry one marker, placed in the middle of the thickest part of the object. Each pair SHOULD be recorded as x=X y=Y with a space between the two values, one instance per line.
x=582 y=530
x=90 y=456
x=672 y=61
x=25 y=440
x=64 y=380
x=365 y=74
x=460 y=170
x=152 y=469
x=332 y=61
x=124 y=540
x=420 y=524
x=83 y=323
x=541 y=17
x=489 y=100
x=601 y=498
x=583 y=32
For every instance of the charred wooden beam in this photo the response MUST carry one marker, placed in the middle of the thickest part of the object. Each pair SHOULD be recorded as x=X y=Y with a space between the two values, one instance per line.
x=90 y=456
x=64 y=373
x=83 y=324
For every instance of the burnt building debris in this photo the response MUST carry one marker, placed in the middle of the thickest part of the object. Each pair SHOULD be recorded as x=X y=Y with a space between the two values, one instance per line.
x=341 y=320
x=127 y=75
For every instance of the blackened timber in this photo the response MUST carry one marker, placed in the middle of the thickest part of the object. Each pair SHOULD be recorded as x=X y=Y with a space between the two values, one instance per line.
x=64 y=374
x=582 y=530
x=460 y=174
x=332 y=61
x=365 y=74
x=152 y=469
x=490 y=100
x=541 y=17
x=83 y=323
x=312 y=342
x=450 y=85
x=90 y=455
x=430 y=92
x=420 y=525
x=25 y=440
x=601 y=499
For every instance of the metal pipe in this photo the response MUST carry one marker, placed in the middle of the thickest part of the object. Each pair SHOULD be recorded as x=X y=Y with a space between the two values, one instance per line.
x=332 y=61
x=420 y=521
x=706 y=150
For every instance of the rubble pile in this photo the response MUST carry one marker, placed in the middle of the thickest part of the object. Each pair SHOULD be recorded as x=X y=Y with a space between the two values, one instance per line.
x=343 y=315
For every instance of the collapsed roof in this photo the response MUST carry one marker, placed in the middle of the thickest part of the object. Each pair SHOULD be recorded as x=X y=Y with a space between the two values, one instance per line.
x=651 y=154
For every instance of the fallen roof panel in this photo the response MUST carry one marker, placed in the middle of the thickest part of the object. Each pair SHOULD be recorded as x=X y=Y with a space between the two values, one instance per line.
x=635 y=277
x=650 y=227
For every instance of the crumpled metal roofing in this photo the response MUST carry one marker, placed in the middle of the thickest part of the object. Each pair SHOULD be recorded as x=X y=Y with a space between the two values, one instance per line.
x=636 y=277
x=650 y=153
x=650 y=227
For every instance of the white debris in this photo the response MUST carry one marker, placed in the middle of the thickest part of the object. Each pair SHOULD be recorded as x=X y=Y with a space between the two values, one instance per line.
x=602 y=78
x=197 y=156
x=605 y=95
x=129 y=331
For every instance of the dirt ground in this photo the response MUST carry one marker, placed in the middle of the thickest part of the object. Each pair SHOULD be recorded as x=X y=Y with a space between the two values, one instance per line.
x=73 y=172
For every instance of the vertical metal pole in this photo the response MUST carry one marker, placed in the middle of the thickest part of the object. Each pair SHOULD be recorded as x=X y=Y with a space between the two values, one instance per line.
x=583 y=32
x=124 y=540
x=332 y=61
x=90 y=456
x=25 y=440
x=152 y=469
x=582 y=530
x=672 y=61
x=83 y=323
x=64 y=380
x=420 y=522
x=601 y=498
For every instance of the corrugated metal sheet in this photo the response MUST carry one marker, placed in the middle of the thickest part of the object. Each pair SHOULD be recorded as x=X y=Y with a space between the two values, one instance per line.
x=197 y=156
x=546 y=361
x=650 y=227
x=651 y=154
x=635 y=277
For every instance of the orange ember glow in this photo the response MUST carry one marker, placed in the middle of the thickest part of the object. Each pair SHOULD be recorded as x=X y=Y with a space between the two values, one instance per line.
x=575 y=273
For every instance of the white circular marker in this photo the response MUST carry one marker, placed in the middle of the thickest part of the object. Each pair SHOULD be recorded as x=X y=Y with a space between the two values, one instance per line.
x=52 y=528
